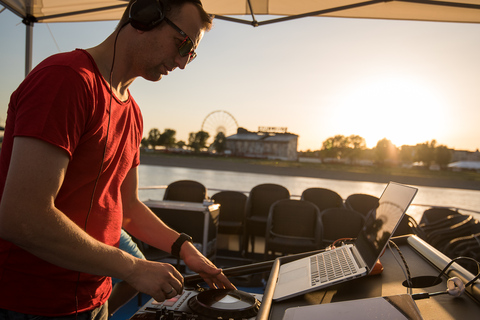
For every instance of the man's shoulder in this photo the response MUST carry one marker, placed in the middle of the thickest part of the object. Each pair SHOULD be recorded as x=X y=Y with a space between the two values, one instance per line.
x=77 y=60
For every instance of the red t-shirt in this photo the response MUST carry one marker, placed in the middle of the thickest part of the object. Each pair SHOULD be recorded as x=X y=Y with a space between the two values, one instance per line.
x=65 y=101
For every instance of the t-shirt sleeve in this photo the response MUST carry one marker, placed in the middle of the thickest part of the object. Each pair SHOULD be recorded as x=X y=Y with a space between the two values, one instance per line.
x=53 y=105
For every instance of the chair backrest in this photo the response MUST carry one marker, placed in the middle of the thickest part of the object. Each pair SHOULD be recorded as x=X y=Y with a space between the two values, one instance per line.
x=340 y=223
x=185 y=190
x=262 y=196
x=323 y=198
x=361 y=202
x=294 y=218
x=408 y=225
x=433 y=215
x=232 y=205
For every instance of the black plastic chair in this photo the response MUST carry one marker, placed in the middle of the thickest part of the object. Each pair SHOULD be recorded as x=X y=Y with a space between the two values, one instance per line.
x=340 y=223
x=186 y=190
x=433 y=215
x=259 y=200
x=446 y=222
x=440 y=238
x=362 y=203
x=293 y=226
x=461 y=246
x=408 y=225
x=323 y=198
x=232 y=213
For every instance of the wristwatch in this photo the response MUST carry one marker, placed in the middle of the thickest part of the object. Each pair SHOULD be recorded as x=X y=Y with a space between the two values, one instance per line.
x=178 y=244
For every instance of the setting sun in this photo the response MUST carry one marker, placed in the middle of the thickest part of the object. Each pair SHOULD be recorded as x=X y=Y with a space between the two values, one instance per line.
x=401 y=109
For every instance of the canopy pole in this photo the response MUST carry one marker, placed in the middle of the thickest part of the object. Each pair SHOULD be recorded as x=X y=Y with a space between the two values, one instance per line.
x=254 y=21
x=29 y=20
x=28 y=48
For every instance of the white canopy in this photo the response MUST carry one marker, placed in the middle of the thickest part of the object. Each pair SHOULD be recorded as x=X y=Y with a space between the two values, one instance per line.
x=33 y=11
x=95 y=10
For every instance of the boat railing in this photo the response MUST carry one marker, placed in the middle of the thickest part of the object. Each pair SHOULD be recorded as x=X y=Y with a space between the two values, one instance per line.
x=293 y=196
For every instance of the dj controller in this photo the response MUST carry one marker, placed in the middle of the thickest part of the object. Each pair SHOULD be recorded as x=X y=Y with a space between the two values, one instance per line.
x=203 y=304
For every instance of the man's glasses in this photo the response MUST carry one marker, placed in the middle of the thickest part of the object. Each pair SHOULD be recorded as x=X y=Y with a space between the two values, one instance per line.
x=186 y=47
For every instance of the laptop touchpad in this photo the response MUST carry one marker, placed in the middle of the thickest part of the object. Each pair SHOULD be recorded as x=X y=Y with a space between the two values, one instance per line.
x=293 y=275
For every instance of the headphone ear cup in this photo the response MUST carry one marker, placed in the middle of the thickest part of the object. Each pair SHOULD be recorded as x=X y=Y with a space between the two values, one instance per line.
x=455 y=287
x=146 y=14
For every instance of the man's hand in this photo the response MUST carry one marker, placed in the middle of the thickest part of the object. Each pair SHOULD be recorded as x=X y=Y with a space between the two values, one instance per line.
x=197 y=262
x=159 y=280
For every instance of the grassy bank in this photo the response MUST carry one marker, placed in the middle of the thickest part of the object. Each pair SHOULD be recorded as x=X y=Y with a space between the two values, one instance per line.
x=414 y=176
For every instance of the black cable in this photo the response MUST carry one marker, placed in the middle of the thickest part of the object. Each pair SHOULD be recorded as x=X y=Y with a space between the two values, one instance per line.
x=407 y=269
x=460 y=258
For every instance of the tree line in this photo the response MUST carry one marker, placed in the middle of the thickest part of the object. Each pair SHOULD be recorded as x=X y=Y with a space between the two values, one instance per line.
x=197 y=141
x=352 y=149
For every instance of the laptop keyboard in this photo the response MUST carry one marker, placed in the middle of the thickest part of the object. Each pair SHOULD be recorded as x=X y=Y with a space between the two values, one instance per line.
x=331 y=265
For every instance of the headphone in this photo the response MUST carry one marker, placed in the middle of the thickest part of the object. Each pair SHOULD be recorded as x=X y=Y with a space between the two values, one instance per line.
x=146 y=14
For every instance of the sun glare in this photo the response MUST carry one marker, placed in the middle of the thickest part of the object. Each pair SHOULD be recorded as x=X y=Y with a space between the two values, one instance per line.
x=402 y=110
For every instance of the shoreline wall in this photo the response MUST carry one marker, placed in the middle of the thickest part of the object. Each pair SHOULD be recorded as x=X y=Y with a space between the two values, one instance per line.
x=209 y=163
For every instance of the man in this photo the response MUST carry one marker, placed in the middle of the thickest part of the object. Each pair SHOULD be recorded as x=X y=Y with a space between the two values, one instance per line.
x=68 y=172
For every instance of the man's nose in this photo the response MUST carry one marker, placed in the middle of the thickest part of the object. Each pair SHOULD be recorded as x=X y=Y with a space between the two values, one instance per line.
x=182 y=61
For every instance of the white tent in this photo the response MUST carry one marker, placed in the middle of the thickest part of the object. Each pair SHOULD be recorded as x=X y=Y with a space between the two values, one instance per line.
x=35 y=11
x=465 y=165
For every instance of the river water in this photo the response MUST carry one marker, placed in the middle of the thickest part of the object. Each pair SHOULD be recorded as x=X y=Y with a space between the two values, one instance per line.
x=156 y=178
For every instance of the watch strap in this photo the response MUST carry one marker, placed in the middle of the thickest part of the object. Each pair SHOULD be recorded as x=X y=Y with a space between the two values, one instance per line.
x=178 y=244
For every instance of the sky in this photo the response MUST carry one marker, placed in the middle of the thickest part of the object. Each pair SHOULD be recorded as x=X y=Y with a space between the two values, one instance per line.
x=409 y=82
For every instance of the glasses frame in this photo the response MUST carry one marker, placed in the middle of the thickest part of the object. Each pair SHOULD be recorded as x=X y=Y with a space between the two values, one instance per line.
x=187 y=42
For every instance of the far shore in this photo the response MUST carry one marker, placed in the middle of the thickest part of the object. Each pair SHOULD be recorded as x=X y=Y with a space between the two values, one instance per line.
x=299 y=170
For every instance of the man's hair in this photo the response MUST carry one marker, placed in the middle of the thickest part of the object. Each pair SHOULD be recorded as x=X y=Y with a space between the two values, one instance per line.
x=171 y=9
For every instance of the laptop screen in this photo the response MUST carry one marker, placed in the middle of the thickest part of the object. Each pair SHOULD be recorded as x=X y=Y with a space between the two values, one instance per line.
x=382 y=221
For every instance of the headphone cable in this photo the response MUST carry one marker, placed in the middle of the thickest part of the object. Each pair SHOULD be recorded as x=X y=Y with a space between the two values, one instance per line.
x=103 y=156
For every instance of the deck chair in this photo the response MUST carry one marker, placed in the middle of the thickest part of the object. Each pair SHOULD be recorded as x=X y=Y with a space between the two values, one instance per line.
x=408 y=225
x=436 y=214
x=361 y=202
x=340 y=223
x=293 y=226
x=259 y=200
x=444 y=223
x=460 y=246
x=323 y=198
x=440 y=238
x=232 y=213
x=185 y=190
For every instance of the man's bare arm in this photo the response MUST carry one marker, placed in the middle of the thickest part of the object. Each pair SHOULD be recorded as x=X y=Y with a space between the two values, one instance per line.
x=29 y=219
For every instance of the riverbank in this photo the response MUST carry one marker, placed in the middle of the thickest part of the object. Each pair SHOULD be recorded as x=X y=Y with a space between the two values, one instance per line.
x=442 y=179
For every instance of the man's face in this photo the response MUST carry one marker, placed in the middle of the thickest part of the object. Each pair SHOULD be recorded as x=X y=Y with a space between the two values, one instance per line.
x=162 y=54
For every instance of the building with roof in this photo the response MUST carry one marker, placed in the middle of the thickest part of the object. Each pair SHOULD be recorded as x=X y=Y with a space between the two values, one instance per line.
x=267 y=143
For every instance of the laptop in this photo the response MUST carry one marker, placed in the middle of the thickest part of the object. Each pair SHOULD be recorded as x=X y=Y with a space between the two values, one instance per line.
x=352 y=260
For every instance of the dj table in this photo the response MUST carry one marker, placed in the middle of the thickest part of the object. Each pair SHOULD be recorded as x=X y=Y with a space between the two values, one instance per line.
x=424 y=262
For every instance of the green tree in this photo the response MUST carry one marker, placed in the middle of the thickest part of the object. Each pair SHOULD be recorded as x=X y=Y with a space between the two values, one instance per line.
x=144 y=143
x=180 y=144
x=220 y=143
x=406 y=154
x=443 y=156
x=355 y=147
x=334 y=147
x=198 y=141
x=425 y=152
x=167 y=138
x=153 y=137
x=385 y=150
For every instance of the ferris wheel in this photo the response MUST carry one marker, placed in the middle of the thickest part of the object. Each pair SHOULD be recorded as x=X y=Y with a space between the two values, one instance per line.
x=219 y=121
